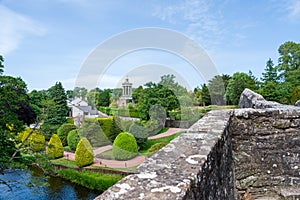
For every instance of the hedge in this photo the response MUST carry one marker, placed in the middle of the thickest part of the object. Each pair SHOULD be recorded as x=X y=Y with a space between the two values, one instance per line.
x=63 y=131
x=73 y=139
x=84 y=153
x=125 y=146
x=55 y=148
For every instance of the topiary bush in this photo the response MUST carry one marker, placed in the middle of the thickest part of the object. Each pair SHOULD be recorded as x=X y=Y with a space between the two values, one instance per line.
x=105 y=124
x=140 y=133
x=70 y=120
x=55 y=148
x=73 y=139
x=84 y=153
x=125 y=146
x=37 y=141
x=91 y=130
x=63 y=131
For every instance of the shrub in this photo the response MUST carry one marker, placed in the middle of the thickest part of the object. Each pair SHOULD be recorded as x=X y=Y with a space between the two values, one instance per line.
x=115 y=129
x=91 y=130
x=84 y=153
x=55 y=148
x=22 y=135
x=125 y=146
x=48 y=129
x=139 y=132
x=63 y=131
x=70 y=120
x=73 y=139
x=156 y=147
x=37 y=141
x=105 y=124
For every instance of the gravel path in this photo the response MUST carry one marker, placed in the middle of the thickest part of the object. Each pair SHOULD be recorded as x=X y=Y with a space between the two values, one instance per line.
x=121 y=164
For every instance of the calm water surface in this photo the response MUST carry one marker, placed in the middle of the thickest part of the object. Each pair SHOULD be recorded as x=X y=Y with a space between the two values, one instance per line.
x=30 y=184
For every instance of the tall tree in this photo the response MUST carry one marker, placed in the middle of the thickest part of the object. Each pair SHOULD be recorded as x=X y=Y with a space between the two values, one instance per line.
x=237 y=84
x=104 y=98
x=270 y=74
x=289 y=59
x=14 y=112
x=205 y=95
x=55 y=110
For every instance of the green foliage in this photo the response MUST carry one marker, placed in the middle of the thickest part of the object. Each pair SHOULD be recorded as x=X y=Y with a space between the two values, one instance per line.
x=125 y=146
x=157 y=146
x=91 y=180
x=84 y=153
x=105 y=124
x=140 y=133
x=73 y=139
x=92 y=97
x=55 y=148
x=115 y=129
x=104 y=98
x=22 y=135
x=80 y=92
x=1 y=65
x=55 y=109
x=295 y=94
x=70 y=120
x=236 y=86
x=37 y=141
x=91 y=130
x=63 y=131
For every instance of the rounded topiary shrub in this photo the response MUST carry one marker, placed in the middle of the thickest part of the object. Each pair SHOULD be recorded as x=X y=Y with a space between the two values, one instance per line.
x=37 y=141
x=63 y=131
x=73 y=139
x=125 y=146
x=55 y=148
x=84 y=153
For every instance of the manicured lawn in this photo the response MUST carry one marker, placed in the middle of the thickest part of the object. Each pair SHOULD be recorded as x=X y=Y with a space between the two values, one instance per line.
x=65 y=162
x=144 y=149
x=106 y=155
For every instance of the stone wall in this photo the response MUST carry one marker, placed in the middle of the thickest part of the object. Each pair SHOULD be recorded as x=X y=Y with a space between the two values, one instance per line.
x=234 y=154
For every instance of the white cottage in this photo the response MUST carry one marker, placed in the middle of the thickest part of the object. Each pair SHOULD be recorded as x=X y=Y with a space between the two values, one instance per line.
x=79 y=110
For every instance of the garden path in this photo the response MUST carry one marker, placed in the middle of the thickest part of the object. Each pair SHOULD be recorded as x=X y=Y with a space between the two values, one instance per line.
x=122 y=164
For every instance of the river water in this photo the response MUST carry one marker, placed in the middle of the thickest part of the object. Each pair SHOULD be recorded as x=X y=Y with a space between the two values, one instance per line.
x=31 y=185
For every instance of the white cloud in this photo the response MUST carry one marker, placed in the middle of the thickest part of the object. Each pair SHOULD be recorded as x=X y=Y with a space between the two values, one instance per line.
x=201 y=19
x=14 y=28
x=293 y=8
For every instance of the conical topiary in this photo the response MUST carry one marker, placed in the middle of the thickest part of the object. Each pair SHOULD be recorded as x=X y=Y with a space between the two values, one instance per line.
x=55 y=148
x=84 y=153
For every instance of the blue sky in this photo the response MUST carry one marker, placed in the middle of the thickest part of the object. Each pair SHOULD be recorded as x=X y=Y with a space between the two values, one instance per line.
x=46 y=41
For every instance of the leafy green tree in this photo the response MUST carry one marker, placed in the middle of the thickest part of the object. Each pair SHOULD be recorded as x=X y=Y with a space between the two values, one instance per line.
x=92 y=97
x=295 y=94
x=63 y=131
x=84 y=153
x=15 y=111
x=236 y=86
x=80 y=92
x=136 y=94
x=70 y=94
x=163 y=94
x=139 y=132
x=115 y=128
x=73 y=139
x=55 y=148
x=125 y=146
x=289 y=59
x=104 y=98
